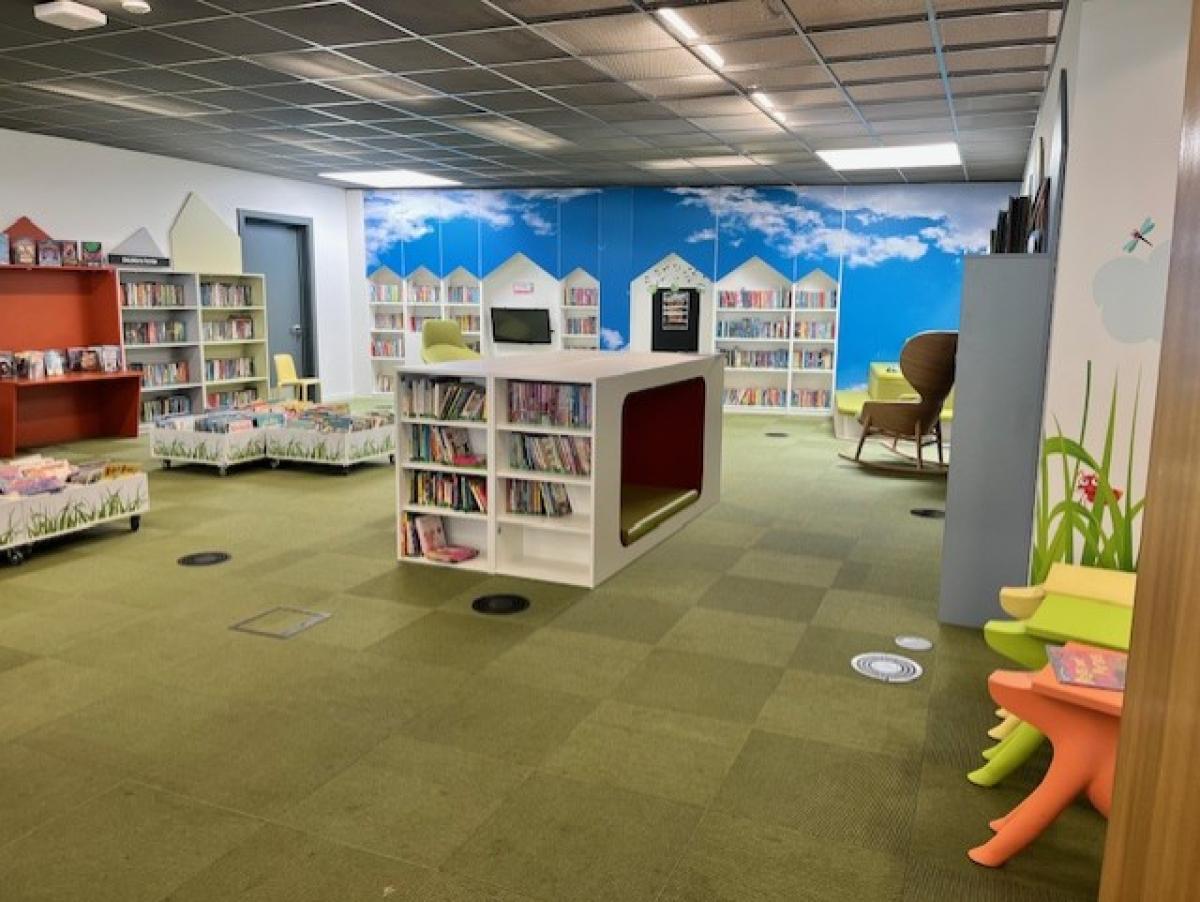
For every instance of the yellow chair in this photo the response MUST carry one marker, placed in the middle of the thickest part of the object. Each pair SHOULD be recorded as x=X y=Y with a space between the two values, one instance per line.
x=442 y=341
x=286 y=377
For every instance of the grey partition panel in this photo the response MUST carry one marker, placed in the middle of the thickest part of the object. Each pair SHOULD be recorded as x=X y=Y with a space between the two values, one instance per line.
x=999 y=387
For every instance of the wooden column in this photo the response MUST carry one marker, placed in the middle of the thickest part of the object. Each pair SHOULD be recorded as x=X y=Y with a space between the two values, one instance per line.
x=1154 y=834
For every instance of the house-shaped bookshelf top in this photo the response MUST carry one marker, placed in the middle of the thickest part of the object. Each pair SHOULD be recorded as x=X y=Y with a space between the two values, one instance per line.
x=202 y=242
x=140 y=244
x=754 y=274
x=580 y=277
x=26 y=228
x=424 y=287
x=818 y=278
x=460 y=275
x=672 y=271
x=384 y=276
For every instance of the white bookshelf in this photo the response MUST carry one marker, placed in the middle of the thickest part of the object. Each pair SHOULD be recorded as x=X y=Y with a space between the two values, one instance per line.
x=581 y=311
x=773 y=346
x=206 y=337
x=580 y=548
x=223 y=345
x=385 y=299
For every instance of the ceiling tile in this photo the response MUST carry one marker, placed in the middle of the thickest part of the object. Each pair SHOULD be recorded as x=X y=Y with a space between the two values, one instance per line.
x=782 y=78
x=999 y=58
x=511 y=101
x=601 y=92
x=145 y=47
x=859 y=42
x=502 y=45
x=329 y=25
x=553 y=72
x=997 y=84
x=901 y=90
x=304 y=93
x=887 y=69
x=72 y=58
x=670 y=63
x=236 y=73
x=998 y=28
x=155 y=79
x=234 y=36
x=408 y=55
x=437 y=16
x=765 y=53
x=612 y=34
x=455 y=81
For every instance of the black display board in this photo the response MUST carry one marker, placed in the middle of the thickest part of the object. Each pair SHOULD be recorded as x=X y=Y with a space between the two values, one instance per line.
x=676 y=320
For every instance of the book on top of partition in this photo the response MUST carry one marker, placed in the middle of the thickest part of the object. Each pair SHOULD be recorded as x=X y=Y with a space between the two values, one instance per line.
x=1095 y=668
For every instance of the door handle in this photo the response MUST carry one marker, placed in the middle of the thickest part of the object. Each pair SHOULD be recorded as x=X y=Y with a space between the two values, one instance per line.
x=297 y=329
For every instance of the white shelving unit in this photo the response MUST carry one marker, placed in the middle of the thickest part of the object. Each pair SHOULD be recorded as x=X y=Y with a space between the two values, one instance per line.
x=779 y=339
x=207 y=335
x=581 y=311
x=233 y=335
x=581 y=548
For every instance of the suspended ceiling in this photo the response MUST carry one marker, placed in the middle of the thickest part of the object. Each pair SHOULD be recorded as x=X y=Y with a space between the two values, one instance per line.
x=540 y=92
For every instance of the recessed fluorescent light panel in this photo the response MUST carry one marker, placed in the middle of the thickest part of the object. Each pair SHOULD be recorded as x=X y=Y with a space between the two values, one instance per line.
x=677 y=24
x=69 y=15
x=513 y=133
x=391 y=178
x=912 y=156
x=714 y=59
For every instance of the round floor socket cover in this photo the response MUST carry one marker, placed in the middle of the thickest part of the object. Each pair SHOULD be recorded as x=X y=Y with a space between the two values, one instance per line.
x=500 y=604
x=886 y=667
x=203 y=559
x=777 y=434
x=928 y=513
x=914 y=643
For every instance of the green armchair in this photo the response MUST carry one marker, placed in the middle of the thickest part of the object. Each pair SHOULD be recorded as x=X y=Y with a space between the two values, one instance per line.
x=442 y=341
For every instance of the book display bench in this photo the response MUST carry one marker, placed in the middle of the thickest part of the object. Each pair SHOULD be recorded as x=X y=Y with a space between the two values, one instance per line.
x=315 y=436
x=56 y=506
x=561 y=466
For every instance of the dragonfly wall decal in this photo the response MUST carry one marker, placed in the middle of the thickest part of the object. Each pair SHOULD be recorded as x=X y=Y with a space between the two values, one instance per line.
x=1139 y=234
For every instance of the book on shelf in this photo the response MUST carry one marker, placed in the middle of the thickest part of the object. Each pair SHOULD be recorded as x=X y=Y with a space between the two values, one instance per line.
x=68 y=252
x=8 y=365
x=814 y=299
x=538 y=498
x=818 y=329
x=741 y=358
x=385 y=294
x=566 y=454
x=424 y=535
x=155 y=375
x=53 y=362
x=233 y=328
x=467 y=322
x=423 y=294
x=151 y=294
x=816 y=359
x=384 y=382
x=236 y=398
x=563 y=404
x=580 y=325
x=446 y=445
x=152 y=332
x=49 y=253
x=755 y=396
x=219 y=368
x=91 y=253
x=751 y=299
x=583 y=297
x=225 y=294
x=462 y=294
x=1094 y=668
x=752 y=327
x=168 y=405
x=445 y=399
x=24 y=251
x=811 y=398
x=386 y=347
x=467 y=494
x=389 y=321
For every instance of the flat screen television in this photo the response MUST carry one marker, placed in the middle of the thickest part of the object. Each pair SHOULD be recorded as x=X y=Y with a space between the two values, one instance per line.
x=521 y=325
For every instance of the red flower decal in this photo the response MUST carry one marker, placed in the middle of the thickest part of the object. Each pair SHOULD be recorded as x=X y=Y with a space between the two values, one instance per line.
x=1089 y=483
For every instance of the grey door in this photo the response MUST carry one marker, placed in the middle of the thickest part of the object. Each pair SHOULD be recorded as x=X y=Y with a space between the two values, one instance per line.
x=278 y=248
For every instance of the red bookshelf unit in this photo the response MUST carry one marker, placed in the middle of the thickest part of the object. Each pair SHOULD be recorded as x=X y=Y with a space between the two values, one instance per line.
x=59 y=307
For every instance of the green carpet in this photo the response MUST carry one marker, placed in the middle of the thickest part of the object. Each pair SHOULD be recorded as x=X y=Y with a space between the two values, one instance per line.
x=688 y=732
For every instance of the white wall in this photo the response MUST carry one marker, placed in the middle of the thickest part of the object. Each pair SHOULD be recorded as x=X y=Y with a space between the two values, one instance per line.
x=81 y=191
x=1122 y=164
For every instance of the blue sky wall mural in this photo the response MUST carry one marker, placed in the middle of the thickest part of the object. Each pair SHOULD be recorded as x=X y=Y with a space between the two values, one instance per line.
x=898 y=248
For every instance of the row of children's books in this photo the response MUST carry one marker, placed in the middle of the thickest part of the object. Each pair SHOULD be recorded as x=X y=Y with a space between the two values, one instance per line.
x=821 y=359
x=460 y=493
x=174 y=372
x=462 y=294
x=570 y=454
x=425 y=536
x=56 y=362
x=749 y=298
x=755 y=396
x=538 y=499
x=154 y=332
x=225 y=294
x=232 y=329
x=550 y=404
x=815 y=328
x=386 y=294
x=580 y=325
x=582 y=297
x=151 y=294
x=49 y=252
x=423 y=294
x=811 y=398
x=218 y=368
x=232 y=398
x=165 y=406
x=447 y=445
x=753 y=327
x=741 y=358
x=445 y=399
x=386 y=347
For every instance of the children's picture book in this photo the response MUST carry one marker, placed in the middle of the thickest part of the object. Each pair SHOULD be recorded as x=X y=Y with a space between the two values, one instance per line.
x=69 y=252
x=91 y=253
x=24 y=251
x=53 y=361
x=8 y=366
x=1096 y=668
x=75 y=359
x=89 y=361
x=451 y=554
x=430 y=532
x=48 y=253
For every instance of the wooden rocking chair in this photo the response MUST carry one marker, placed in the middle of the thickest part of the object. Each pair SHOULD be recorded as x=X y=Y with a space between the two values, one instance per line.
x=927 y=362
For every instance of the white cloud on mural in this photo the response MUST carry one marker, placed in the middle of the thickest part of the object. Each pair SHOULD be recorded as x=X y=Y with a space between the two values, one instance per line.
x=701 y=236
x=611 y=340
x=397 y=216
x=882 y=224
